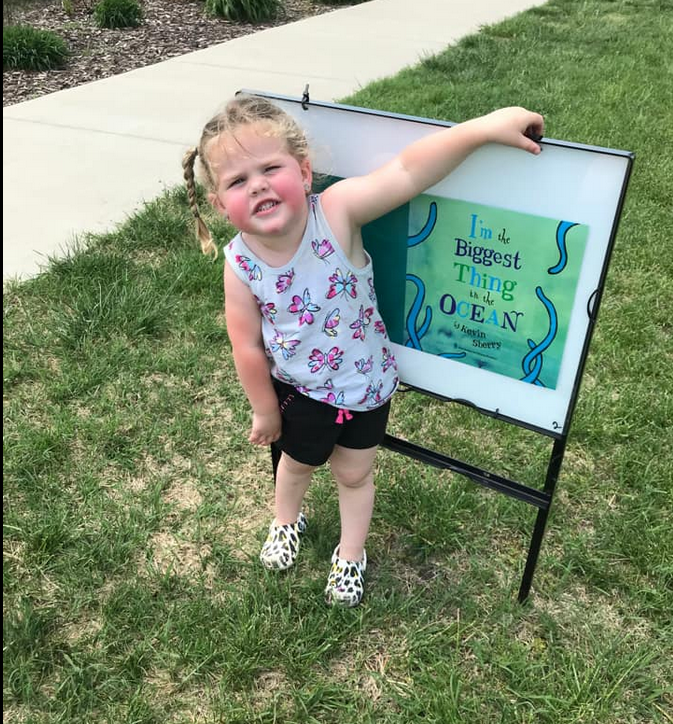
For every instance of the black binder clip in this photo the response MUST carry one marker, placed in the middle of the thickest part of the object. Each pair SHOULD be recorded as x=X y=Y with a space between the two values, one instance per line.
x=305 y=100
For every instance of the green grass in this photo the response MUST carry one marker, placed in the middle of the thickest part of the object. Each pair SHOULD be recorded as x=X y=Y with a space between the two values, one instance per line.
x=134 y=508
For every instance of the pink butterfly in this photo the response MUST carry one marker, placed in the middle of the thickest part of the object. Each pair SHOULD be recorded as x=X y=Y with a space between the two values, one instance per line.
x=342 y=285
x=362 y=322
x=331 y=323
x=336 y=400
x=373 y=394
x=372 y=291
x=380 y=328
x=281 y=343
x=253 y=271
x=388 y=359
x=318 y=359
x=268 y=310
x=304 y=307
x=364 y=366
x=284 y=281
x=322 y=249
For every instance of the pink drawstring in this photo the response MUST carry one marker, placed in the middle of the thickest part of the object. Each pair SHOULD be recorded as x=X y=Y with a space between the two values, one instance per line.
x=340 y=416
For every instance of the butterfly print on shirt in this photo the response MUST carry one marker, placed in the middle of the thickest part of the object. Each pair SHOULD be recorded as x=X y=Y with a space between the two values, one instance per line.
x=362 y=322
x=284 y=281
x=283 y=344
x=336 y=400
x=373 y=394
x=252 y=270
x=331 y=323
x=332 y=359
x=268 y=309
x=372 y=291
x=304 y=307
x=322 y=249
x=364 y=366
x=342 y=285
x=388 y=359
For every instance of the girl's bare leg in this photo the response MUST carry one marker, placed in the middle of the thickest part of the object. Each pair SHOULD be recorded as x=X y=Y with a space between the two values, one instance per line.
x=292 y=481
x=353 y=472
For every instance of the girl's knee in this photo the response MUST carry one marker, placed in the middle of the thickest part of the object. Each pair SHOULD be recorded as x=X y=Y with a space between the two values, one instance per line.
x=353 y=468
x=294 y=467
x=351 y=476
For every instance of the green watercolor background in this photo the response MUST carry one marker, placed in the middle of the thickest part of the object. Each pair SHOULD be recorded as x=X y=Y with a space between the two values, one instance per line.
x=534 y=238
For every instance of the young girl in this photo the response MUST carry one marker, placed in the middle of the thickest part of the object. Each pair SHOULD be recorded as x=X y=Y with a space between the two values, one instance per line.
x=309 y=345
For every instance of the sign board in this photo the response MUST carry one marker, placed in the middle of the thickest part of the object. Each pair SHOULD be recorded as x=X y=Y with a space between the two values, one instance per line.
x=489 y=282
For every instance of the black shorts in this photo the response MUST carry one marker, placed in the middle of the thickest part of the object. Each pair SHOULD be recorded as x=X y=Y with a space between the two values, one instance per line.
x=310 y=428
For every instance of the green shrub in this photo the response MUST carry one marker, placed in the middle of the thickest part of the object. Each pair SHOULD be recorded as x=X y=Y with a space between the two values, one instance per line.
x=118 y=14
x=249 y=11
x=27 y=48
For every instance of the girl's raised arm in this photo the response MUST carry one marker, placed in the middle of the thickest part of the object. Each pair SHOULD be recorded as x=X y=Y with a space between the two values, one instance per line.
x=428 y=160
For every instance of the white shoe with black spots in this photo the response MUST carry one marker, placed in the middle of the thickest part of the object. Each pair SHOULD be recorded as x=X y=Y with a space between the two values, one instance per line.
x=281 y=546
x=346 y=581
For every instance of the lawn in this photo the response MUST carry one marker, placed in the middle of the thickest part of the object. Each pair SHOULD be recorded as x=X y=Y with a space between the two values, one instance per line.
x=134 y=509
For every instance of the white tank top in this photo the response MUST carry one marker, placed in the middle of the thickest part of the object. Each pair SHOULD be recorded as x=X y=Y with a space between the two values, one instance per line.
x=321 y=326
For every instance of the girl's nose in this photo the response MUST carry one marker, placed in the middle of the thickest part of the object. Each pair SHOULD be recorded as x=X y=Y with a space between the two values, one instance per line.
x=258 y=184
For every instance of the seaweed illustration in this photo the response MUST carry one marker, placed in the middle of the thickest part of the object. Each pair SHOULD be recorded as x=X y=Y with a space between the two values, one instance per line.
x=532 y=362
x=417 y=329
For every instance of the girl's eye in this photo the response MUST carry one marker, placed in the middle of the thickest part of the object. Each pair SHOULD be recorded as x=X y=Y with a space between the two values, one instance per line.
x=272 y=168
x=235 y=182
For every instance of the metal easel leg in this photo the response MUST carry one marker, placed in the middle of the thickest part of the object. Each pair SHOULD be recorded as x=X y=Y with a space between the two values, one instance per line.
x=553 y=470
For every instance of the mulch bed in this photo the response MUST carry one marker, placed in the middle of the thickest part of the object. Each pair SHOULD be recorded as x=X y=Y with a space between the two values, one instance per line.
x=169 y=28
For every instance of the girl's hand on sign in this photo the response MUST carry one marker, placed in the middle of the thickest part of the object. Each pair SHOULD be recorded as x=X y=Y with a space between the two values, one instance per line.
x=515 y=127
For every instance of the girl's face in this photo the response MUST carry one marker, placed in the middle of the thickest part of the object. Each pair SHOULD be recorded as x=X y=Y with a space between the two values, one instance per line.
x=261 y=187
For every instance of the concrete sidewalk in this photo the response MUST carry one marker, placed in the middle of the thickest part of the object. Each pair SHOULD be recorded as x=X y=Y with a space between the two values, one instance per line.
x=83 y=159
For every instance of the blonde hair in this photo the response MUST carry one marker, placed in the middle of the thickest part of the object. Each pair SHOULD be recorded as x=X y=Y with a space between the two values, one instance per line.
x=241 y=111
